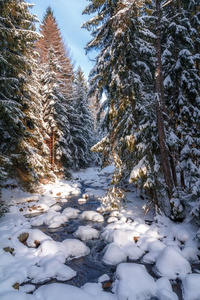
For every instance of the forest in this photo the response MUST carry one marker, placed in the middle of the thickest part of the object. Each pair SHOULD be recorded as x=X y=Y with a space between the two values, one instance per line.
x=147 y=68
x=138 y=114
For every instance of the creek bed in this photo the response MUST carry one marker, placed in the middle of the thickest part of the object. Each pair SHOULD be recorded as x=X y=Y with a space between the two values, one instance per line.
x=90 y=267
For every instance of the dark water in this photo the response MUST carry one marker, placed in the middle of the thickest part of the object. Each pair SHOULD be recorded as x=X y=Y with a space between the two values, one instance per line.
x=90 y=267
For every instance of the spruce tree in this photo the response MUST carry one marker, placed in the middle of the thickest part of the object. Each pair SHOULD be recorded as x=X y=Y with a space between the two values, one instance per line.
x=124 y=71
x=58 y=94
x=181 y=82
x=21 y=141
x=52 y=38
x=86 y=135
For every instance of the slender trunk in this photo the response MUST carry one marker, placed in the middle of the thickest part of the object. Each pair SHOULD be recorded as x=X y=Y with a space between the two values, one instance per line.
x=176 y=94
x=52 y=148
x=173 y=168
x=160 y=107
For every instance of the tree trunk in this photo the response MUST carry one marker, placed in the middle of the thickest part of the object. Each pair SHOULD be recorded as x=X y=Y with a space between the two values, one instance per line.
x=52 y=148
x=160 y=107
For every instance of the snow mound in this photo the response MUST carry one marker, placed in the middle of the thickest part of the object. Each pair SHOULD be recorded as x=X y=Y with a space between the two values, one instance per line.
x=95 y=193
x=191 y=287
x=112 y=220
x=92 y=216
x=71 y=213
x=134 y=282
x=82 y=200
x=35 y=237
x=46 y=218
x=114 y=255
x=74 y=248
x=95 y=290
x=53 y=268
x=92 y=288
x=164 y=290
x=86 y=233
x=50 y=248
x=61 y=292
x=55 y=219
x=172 y=264
x=70 y=248
x=132 y=252
x=17 y=295
x=120 y=237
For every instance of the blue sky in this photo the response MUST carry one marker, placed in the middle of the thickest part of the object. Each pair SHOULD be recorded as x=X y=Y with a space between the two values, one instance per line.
x=69 y=18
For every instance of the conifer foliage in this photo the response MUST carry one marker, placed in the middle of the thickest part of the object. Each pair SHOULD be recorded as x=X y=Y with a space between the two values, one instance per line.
x=22 y=147
x=64 y=107
x=148 y=67
x=84 y=138
x=45 y=123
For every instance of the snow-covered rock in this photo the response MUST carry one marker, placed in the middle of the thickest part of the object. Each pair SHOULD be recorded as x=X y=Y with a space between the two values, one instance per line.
x=74 y=248
x=133 y=282
x=71 y=213
x=191 y=287
x=92 y=216
x=61 y=291
x=114 y=255
x=172 y=264
x=164 y=290
x=86 y=233
x=133 y=252
x=53 y=268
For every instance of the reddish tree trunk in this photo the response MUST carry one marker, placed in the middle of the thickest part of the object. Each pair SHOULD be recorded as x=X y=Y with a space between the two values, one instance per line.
x=52 y=148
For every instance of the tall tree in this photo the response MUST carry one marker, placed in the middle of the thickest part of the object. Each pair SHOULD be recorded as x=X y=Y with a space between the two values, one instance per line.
x=160 y=105
x=181 y=83
x=143 y=109
x=85 y=136
x=58 y=93
x=123 y=70
x=21 y=147
x=52 y=38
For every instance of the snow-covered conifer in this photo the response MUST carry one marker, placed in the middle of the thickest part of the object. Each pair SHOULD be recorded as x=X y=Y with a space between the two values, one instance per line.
x=181 y=82
x=22 y=152
x=123 y=70
x=85 y=138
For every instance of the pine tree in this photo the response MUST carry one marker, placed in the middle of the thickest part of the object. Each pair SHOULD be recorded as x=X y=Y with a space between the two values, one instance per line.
x=56 y=115
x=182 y=98
x=19 y=129
x=141 y=116
x=52 y=38
x=58 y=94
x=85 y=136
x=123 y=71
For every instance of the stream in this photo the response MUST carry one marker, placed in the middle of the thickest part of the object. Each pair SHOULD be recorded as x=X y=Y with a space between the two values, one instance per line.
x=90 y=267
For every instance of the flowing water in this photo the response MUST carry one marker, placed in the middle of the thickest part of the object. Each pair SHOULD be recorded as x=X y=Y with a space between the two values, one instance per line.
x=90 y=267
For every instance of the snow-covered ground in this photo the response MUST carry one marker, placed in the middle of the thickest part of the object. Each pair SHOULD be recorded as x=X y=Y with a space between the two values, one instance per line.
x=29 y=257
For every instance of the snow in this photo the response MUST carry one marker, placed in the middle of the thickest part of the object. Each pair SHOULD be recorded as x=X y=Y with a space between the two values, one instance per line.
x=86 y=233
x=92 y=216
x=172 y=264
x=51 y=292
x=24 y=202
x=55 y=219
x=132 y=252
x=30 y=257
x=53 y=268
x=164 y=289
x=139 y=168
x=114 y=255
x=134 y=282
x=191 y=284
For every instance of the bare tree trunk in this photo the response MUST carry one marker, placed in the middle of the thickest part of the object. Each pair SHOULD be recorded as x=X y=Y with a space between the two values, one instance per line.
x=160 y=107
x=52 y=148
